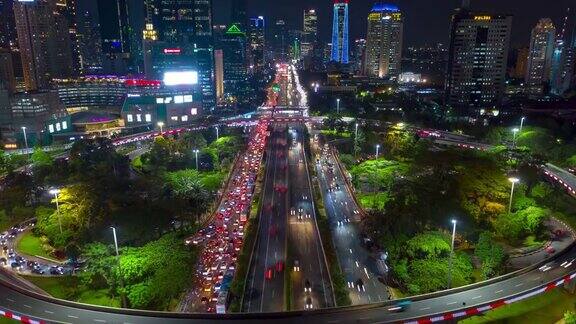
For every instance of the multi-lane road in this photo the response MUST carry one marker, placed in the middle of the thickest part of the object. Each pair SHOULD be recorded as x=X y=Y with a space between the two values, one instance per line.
x=359 y=265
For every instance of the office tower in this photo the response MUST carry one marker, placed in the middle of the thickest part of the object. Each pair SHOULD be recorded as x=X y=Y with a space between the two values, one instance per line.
x=256 y=43
x=280 y=42
x=239 y=16
x=477 y=57
x=66 y=13
x=358 y=55
x=7 y=78
x=309 y=32
x=294 y=41
x=219 y=73
x=521 y=65
x=174 y=20
x=204 y=52
x=542 y=43
x=90 y=43
x=340 y=32
x=8 y=36
x=564 y=57
x=44 y=43
x=233 y=46
x=384 y=41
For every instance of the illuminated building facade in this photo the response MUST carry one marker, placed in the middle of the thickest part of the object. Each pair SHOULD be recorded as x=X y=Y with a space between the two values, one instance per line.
x=542 y=43
x=383 y=56
x=340 y=32
x=477 y=59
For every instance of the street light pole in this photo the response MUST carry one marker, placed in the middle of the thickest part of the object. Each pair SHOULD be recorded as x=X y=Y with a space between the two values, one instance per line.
x=522 y=123
x=118 y=261
x=161 y=125
x=451 y=253
x=338 y=105
x=55 y=192
x=513 y=180
x=377 y=150
x=25 y=138
x=217 y=132
x=196 y=153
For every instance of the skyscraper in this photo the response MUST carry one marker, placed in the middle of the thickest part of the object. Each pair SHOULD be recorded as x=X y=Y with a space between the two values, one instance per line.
x=8 y=36
x=340 y=32
x=384 y=41
x=239 y=16
x=564 y=57
x=233 y=45
x=219 y=73
x=477 y=57
x=358 y=55
x=280 y=42
x=174 y=20
x=542 y=43
x=309 y=32
x=43 y=41
x=521 y=65
x=7 y=79
x=204 y=52
x=256 y=42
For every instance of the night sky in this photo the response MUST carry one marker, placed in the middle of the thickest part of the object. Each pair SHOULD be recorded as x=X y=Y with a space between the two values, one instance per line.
x=426 y=21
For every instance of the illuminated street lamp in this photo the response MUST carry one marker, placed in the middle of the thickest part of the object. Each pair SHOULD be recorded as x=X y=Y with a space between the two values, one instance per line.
x=514 y=181
x=25 y=138
x=196 y=153
x=522 y=123
x=451 y=253
x=217 y=132
x=377 y=150
x=118 y=261
x=161 y=124
x=356 y=132
x=338 y=105
x=55 y=192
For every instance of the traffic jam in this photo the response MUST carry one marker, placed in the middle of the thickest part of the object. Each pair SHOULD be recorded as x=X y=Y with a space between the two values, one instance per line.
x=223 y=237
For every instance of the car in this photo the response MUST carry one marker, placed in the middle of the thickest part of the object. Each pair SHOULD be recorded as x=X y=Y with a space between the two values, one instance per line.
x=296 y=266
x=3 y=261
x=15 y=265
x=550 y=250
x=309 y=303
x=269 y=273
x=308 y=215
x=279 y=266
x=292 y=211
x=307 y=286
x=400 y=307
x=37 y=270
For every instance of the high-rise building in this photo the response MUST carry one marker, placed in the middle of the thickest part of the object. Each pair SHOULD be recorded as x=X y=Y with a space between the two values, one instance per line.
x=384 y=41
x=280 y=40
x=358 y=55
x=204 y=52
x=542 y=43
x=7 y=79
x=309 y=32
x=43 y=41
x=8 y=36
x=564 y=57
x=90 y=43
x=174 y=20
x=219 y=73
x=340 y=32
x=239 y=16
x=233 y=45
x=521 y=65
x=256 y=42
x=66 y=12
x=477 y=58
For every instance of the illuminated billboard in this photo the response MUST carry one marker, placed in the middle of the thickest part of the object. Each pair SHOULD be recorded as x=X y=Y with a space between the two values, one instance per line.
x=180 y=78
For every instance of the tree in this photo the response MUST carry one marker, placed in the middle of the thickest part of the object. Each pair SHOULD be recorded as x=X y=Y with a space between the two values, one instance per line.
x=569 y=317
x=41 y=159
x=490 y=254
x=188 y=194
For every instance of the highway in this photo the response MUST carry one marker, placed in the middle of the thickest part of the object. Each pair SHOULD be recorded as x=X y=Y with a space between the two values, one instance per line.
x=304 y=240
x=357 y=263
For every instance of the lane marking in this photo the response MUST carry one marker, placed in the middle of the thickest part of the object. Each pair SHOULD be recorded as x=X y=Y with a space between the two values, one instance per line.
x=48 y=312
x=479 y=296
x=451 y=303
x=425 y=308
x=72 y=316
x=498 y=291
x=520 y=284
x=27 y=306
x=10 y=300
x=99 y=320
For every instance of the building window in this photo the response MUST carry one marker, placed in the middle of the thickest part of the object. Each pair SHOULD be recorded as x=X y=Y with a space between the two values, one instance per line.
x=148 y=118
x=174 y=118
x=138 y=117
x=178 y=99
x=57 y=127
x=185 y=118
x=188 y=98
x=159 y=100
x=129 y=118
x=51 y=128
x=64 y=125
x=194 y=111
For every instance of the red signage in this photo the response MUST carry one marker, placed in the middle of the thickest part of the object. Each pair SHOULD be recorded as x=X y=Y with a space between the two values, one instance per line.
x=142 y=83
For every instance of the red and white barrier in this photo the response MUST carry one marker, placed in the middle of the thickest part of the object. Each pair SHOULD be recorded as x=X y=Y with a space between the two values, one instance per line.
x=21 y=318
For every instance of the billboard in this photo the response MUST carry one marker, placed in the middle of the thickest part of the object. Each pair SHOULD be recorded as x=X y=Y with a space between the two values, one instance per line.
x=180 y=78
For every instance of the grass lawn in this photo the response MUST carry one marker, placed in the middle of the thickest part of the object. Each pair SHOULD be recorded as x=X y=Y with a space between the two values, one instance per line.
x=30 y=244
x=4 y=320
x=372 y=200
x=70 y=288
x=546 y=308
